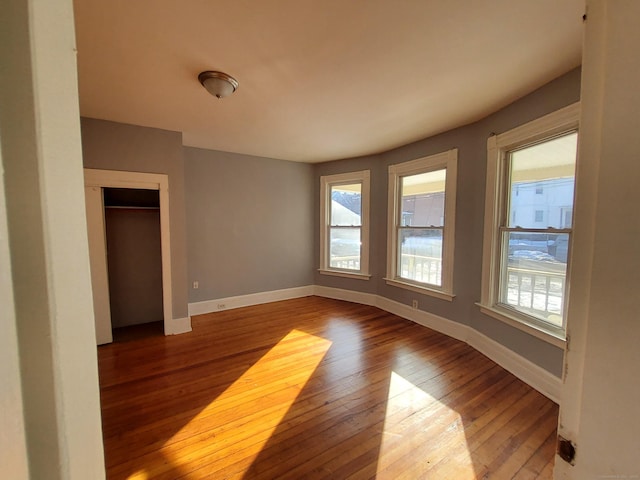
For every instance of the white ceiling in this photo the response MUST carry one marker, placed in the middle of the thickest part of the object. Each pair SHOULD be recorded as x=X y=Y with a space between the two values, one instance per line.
x=319 y=79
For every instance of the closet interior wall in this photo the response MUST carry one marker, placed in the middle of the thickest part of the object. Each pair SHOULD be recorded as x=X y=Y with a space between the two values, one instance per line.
x=132 y=222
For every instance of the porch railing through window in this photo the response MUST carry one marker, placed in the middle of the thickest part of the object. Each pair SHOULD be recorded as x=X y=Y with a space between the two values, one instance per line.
x=537 y=291
x=348 y=262
x=421 y=268
x=526 y=288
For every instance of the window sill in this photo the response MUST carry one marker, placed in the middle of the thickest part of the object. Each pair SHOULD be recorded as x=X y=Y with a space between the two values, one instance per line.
x=344 y=274
x=554 y=338
x=420 y=289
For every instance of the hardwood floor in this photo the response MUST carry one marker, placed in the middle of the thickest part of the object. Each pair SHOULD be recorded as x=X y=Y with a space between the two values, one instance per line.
x=314 y=388
x=137 y=332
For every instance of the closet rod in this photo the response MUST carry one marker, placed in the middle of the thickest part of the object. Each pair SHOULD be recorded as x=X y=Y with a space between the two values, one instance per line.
x=131 y=208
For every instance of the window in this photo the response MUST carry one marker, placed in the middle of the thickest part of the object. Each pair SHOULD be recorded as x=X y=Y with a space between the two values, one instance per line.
x=529 y=205
x=344 y=224
x=422 y=196
x=567 y=217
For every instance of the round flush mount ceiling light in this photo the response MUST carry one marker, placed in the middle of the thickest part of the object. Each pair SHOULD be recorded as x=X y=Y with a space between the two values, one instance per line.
x=218 y=84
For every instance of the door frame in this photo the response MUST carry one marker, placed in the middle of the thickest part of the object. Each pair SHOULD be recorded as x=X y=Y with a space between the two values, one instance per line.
x=142 y=181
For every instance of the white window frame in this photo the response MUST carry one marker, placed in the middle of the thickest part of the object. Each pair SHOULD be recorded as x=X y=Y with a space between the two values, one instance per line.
x=446 y=160
x=562 y=121
x=326 y=183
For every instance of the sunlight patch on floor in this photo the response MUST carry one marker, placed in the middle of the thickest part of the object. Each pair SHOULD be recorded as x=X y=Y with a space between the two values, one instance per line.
x=229 y=425
x=139 y=475
x=440 y=433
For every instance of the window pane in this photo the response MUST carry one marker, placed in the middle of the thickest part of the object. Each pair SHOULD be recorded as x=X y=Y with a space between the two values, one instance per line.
x=422 y=199
x=346 y=204
x=420 y=255
x=344 y=251
x=533 y=274
x=542 y=180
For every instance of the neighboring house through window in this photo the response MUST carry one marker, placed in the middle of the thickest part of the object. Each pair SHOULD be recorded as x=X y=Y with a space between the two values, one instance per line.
x=421 y=224
x=344 y=224
x=528 y=224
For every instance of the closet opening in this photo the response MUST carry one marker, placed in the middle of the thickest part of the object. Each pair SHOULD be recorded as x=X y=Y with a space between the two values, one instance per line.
x=134 y=262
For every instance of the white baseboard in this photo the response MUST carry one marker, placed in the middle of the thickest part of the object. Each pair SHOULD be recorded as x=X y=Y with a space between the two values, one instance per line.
x=228 y=303
x=530 y=373
x=426 y=319
x=527 y=371
x=544 y=382
x=178 y=326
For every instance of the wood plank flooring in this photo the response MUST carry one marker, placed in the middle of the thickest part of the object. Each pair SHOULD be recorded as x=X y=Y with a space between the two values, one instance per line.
x=314 y=388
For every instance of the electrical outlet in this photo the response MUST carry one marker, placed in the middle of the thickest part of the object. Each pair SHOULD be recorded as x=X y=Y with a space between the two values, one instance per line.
x=221 y=306
x=196 y=285
x=415 y=304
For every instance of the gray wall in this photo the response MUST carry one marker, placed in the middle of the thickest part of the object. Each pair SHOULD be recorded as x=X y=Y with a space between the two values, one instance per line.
x=249 y=224
x=470 y=141
x=116 y=146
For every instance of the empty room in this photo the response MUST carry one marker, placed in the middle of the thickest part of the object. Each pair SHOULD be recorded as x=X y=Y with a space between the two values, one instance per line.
x=296 y=239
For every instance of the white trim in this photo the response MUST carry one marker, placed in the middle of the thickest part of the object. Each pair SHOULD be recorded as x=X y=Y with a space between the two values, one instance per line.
x=493 y=192
x=420 y=289
x=122 y=179
x=547 y=126
x=178 y=326
x=446 y=160
x=536 y=377
x=228 y=303
x=532 y=329
x=96 y=236
x=435 y=322
x=555 y=122
x=345 y=274
x=326 y=182
x=146 y=181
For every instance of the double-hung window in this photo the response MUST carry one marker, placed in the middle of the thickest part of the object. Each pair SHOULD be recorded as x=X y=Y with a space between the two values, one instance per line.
x=344 y=224
x=422 y=195
x=528 y=224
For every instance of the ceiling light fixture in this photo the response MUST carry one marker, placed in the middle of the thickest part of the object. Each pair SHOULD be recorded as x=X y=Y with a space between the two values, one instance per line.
x=218 y=84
